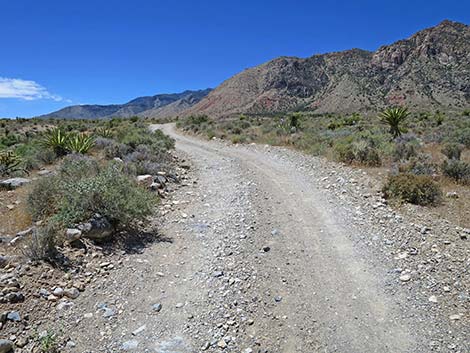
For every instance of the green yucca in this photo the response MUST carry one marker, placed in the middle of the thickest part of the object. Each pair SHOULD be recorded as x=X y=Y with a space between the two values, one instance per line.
x=9 y=162
x=394 y=117
x=79 y=143
x=56 y=139
x=103 y=132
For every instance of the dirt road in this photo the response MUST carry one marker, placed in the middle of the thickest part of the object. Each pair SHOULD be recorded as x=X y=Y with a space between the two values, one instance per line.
x=261 y=258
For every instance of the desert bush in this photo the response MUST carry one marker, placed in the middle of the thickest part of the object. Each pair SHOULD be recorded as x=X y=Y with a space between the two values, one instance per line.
x=81 y=189
x=415 y=189
x=361 y=151
x=111 y=194
x=44 y=197
x=457 y=170
x=452 y=150
x=406 y=146
x=421 y=164
x=41 y=245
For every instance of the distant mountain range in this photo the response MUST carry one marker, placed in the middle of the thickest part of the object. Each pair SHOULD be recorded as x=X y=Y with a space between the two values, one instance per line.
x=161 y=105
x=430 y=70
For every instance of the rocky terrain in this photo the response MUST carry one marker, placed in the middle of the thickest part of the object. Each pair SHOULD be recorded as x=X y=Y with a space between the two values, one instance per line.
x=161 y=105
x=261 y=249
x=429 y=70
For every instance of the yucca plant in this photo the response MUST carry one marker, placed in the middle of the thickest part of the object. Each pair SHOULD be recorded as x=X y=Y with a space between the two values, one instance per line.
x=103 y=132
x=56 y=139
x=394 y=118
x=9 y=163
x=79 y=143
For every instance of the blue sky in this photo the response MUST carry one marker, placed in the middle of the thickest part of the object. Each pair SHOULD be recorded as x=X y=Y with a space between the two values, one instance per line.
x=56 y=53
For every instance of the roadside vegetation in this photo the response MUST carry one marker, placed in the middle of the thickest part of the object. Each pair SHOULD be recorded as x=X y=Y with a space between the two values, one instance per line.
x=423 y=150
x=90 y=174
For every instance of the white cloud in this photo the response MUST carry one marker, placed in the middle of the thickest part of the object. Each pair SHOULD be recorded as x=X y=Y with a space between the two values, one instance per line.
x=25 y=89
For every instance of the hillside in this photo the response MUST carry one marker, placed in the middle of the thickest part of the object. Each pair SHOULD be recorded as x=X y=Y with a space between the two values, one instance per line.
x=160 y=105
x=431 y=69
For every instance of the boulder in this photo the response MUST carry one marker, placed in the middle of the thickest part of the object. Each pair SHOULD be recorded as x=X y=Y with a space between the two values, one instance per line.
x=14 y=183
x=146 y=180
x=6 y=346
x=98 y=228
x=72 y=234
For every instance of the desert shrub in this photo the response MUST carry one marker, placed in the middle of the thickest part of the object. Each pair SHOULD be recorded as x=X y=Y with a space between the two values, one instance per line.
x=44 y=196
x=462 y=136
x=416 y=189
x=406 y=146
x=46 y=156
x=81 y=189
x=452 y=150
x=457 y=170
x=360 y=151
x=77 y=166
x=111 y=194
x=116 y=149
x=421 y=164
x=42 y=244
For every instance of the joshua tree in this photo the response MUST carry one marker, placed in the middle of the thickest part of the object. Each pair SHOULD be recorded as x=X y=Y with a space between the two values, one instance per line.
x=394 y=117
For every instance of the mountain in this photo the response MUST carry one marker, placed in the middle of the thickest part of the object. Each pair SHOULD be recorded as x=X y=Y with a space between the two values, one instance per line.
x=161 y=105
x=431 y=69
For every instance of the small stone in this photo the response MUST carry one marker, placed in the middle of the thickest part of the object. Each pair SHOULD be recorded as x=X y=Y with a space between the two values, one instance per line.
x=433 y=299
x=58 y=292
x=179 y=305
x=266 y=248
x=88 y=315
x=222 y=344
x=70 y=344
x=13 y=316
x=157 y=307
x=248 y=350
x=217 y=274
x=21 y=342
x=130 y=345
x=139 y=330
x=65 y=305
x=275 y=232
x=277 y=298
x=73 y=234
x=108 y=312
x=405 y=278
x=72 y=293
x=454 y=317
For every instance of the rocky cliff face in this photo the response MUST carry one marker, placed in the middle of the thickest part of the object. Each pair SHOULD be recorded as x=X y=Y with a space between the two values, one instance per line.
x=429 y=70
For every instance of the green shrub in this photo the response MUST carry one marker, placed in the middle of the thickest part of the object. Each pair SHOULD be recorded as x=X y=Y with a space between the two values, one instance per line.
x=422 y=164
x=81 y=189
x=452 y=150
x=42 y=245
x=457 y=170
x=416 y=189
x=360 y=151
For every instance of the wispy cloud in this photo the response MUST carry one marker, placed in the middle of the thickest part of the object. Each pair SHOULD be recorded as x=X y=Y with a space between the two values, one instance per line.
x=25 y=89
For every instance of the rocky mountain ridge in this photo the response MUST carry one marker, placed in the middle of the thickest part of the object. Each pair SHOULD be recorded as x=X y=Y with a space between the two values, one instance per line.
x=161 y=105
x=429 y=70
